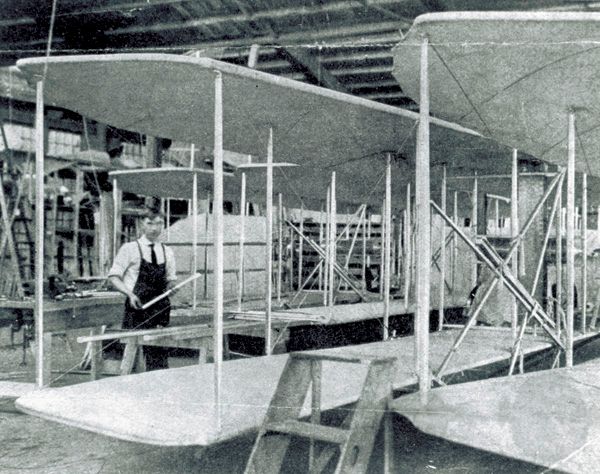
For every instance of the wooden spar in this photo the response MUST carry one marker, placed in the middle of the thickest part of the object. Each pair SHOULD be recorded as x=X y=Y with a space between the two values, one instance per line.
x=168 y=218
x=454 y=243
x=407 y=247
x=551 y=220
x=39 y=235
x=218 y=247
x=382 y=247
x=116 y=225
x=423 y=230
x=279 y=245
x=195 y=240
x=162 y=296
x=570 y=237
x=269 y=244
x=240 y=295
x=388 y=247
x=301 y=247
x=442 y=288
x=514 y=231
x=559 y=266
x=361 y=210
x=327 y=238
x=253 y=55
x=76 y=210
x=332 y=241
x=291 y=261
x=494 y=282
x=513 y=284
x=497 y=211
x=364 y=246
x=584 y=251
x=206 y=223
x=474 y=224
x=321 y=245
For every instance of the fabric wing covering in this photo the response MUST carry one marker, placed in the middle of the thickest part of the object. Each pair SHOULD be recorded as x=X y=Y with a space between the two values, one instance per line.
x=171 y=96
x=512 y=76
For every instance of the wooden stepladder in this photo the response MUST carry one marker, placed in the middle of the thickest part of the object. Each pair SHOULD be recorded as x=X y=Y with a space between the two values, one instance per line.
x=354 y=439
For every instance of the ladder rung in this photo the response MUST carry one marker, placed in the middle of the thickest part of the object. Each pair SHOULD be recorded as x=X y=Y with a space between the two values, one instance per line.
x=314 y=431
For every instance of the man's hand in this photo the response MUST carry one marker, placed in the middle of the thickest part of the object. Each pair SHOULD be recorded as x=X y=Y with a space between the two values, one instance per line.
x=134 y=301
x=171 y=288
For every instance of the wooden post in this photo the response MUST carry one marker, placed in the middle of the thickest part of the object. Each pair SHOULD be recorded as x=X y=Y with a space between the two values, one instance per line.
x=269 y=244
x=364 y=248
x=76 y=210
x=218 y=246
x=195 y=240
x=240 y=295
x=559 y=266
x=423 y=231
x=584 y=251
x=39 y=236
x=442 y=288
x=327 y=247
x=206 y=222
x=168 y=218
x=570 y=237
x=388 y=247
x=407 y=247
x=551 y=222
x=116 y=221
x=474 y=223
x=291 y=260
x=514 y=231
x=382 y=247
x=454 y=242
x=320 y=245
x=301 y=247
x=332 y=241
x=253 y=55
x=279 y=246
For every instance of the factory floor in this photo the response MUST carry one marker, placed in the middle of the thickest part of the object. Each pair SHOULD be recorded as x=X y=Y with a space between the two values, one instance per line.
x=33 y=445
x=30 y=444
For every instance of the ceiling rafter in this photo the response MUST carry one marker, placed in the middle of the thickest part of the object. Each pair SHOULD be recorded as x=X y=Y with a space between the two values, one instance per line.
x=304 y=58
x=257 y=15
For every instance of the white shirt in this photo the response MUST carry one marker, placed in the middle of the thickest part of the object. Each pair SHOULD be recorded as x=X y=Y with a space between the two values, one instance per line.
x=127 y=262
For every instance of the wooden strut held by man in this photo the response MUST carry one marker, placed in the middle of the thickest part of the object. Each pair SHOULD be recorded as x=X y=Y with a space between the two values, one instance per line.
x=143 y=270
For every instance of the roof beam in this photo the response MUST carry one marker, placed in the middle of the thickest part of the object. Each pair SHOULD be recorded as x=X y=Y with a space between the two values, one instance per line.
x=25 y=20
x=117 y=7
x=302 y=57
x=255 y=16
x=352 y=36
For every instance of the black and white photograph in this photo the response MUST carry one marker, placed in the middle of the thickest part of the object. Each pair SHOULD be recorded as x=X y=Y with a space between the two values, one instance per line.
x=299 y=236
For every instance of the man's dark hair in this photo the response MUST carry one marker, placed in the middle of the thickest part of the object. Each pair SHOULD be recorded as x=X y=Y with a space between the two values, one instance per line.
x=152 y=213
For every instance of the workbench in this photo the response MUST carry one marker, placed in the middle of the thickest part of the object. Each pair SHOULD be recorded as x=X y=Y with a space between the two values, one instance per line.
x=67 y=314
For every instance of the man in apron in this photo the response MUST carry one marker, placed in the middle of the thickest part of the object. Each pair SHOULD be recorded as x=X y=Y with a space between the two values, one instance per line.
x=143 y=270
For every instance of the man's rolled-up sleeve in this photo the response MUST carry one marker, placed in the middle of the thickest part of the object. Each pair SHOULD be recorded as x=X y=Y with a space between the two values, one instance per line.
x=171 y=266
x=120 y=264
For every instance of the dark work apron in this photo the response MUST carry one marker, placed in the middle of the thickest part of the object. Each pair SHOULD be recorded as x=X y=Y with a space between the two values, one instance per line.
x=151 y=282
